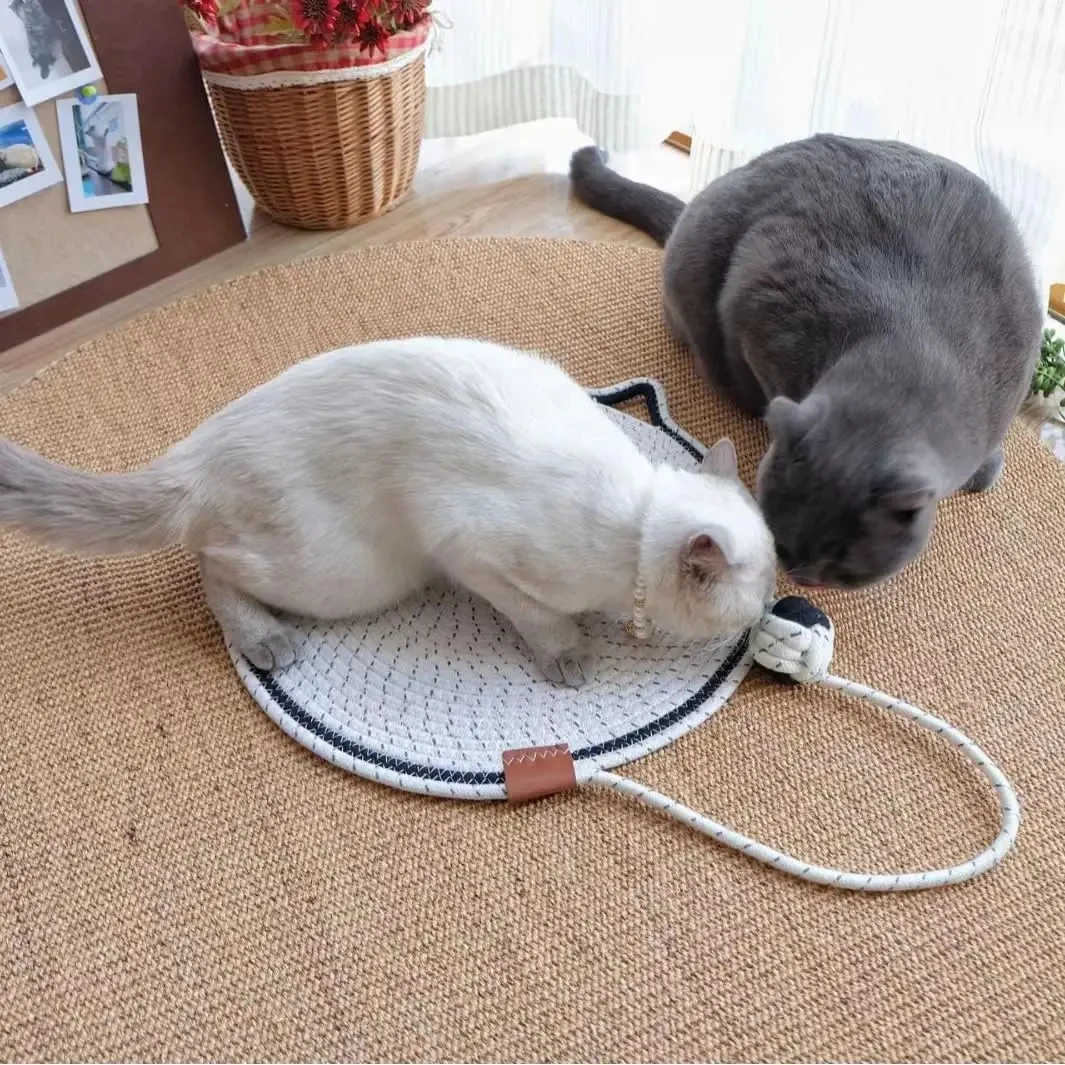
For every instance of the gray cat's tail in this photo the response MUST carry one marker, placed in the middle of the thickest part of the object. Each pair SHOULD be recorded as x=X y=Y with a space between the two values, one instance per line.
x=642 y=206
x=88 y=513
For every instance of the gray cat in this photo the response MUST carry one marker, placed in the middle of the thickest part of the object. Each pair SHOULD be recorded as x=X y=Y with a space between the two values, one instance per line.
x=41 y=33
x=874 y=302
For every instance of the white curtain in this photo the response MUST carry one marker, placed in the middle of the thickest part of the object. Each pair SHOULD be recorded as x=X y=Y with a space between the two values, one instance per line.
x=981 y=81
x=502 y=62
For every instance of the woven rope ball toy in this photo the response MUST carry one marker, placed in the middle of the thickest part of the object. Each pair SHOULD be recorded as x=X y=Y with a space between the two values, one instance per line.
x=436 y=695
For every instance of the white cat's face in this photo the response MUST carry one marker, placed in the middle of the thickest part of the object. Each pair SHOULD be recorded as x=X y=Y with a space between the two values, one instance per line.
x=709 y=561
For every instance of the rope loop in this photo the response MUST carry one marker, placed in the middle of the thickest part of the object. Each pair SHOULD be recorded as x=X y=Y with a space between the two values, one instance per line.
x=795 y=639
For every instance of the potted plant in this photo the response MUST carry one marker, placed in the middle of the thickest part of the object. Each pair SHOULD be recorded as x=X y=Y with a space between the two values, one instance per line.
x=1048 y=381
x=319 y=103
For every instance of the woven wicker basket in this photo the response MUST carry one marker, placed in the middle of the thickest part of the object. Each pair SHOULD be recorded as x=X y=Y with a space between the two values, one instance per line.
x=326 y=155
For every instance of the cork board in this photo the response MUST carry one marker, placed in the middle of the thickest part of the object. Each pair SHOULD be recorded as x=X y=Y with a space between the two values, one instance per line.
x=47 y=248
x=64 y=264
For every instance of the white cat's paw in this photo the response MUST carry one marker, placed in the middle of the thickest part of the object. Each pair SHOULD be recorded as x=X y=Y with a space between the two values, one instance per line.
x=273 y=651
x=573 y=668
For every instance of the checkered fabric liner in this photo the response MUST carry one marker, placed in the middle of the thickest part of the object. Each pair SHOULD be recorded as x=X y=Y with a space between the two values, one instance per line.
x=250 y=37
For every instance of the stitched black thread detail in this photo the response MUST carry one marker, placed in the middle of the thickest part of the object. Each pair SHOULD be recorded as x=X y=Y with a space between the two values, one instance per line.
x=674 y=717
x=452 y=776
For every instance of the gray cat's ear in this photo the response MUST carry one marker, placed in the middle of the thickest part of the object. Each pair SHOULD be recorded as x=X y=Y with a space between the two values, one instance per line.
x=786 y=418
x=781 y=415
x=720 y=460
x=706 y=556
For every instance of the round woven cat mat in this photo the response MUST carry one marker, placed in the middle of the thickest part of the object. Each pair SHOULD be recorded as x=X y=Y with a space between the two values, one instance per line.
x=428 y=695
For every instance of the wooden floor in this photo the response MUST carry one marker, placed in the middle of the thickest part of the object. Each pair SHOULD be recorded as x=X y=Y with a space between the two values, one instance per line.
x=508 y=183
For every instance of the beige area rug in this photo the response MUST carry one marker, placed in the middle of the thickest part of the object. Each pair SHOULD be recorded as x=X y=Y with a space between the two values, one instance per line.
x=178 y=879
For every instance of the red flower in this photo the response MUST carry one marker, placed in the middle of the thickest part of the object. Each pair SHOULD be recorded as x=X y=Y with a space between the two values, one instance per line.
x=203 y=9
x=408 y=13
x=316 y=19
x=373 y=35
x=353 y=15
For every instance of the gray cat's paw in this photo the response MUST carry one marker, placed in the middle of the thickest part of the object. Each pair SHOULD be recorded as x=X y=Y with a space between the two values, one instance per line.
x=988 y=474
x=572 y=669
x=273 y=651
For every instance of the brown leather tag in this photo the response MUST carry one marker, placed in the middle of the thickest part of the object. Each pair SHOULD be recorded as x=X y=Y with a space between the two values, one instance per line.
x=535 y=772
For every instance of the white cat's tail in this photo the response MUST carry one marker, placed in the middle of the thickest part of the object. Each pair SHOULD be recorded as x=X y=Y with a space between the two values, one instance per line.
x=88 y=513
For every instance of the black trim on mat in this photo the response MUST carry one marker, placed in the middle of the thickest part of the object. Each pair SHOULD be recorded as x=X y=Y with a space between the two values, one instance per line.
x=637 y=390
x=427 y=772
x=645 y=390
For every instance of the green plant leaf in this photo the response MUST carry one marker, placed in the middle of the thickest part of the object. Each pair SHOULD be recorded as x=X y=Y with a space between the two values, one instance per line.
x=1049 y=372
x=278 y=25
x=192 y=23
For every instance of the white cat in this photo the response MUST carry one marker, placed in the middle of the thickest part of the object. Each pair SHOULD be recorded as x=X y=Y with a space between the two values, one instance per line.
x=354 y=478
x=19 y=157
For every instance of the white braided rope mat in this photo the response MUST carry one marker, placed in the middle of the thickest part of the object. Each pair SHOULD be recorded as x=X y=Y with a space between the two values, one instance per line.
x=430 y=695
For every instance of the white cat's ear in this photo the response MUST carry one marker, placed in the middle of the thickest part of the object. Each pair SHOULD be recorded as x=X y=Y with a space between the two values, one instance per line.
x=706 y=556
x=720 y=460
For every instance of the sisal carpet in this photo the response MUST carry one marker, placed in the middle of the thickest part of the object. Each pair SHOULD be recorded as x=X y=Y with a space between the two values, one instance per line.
x=180 y=880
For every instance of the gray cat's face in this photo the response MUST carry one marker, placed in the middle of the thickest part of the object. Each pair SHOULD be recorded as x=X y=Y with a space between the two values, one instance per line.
x=844 y=511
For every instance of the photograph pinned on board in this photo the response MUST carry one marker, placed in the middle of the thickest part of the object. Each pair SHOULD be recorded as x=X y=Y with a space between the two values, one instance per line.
x=102 y=153
x=46 y=48
x=26 y=161
x=8 y=299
